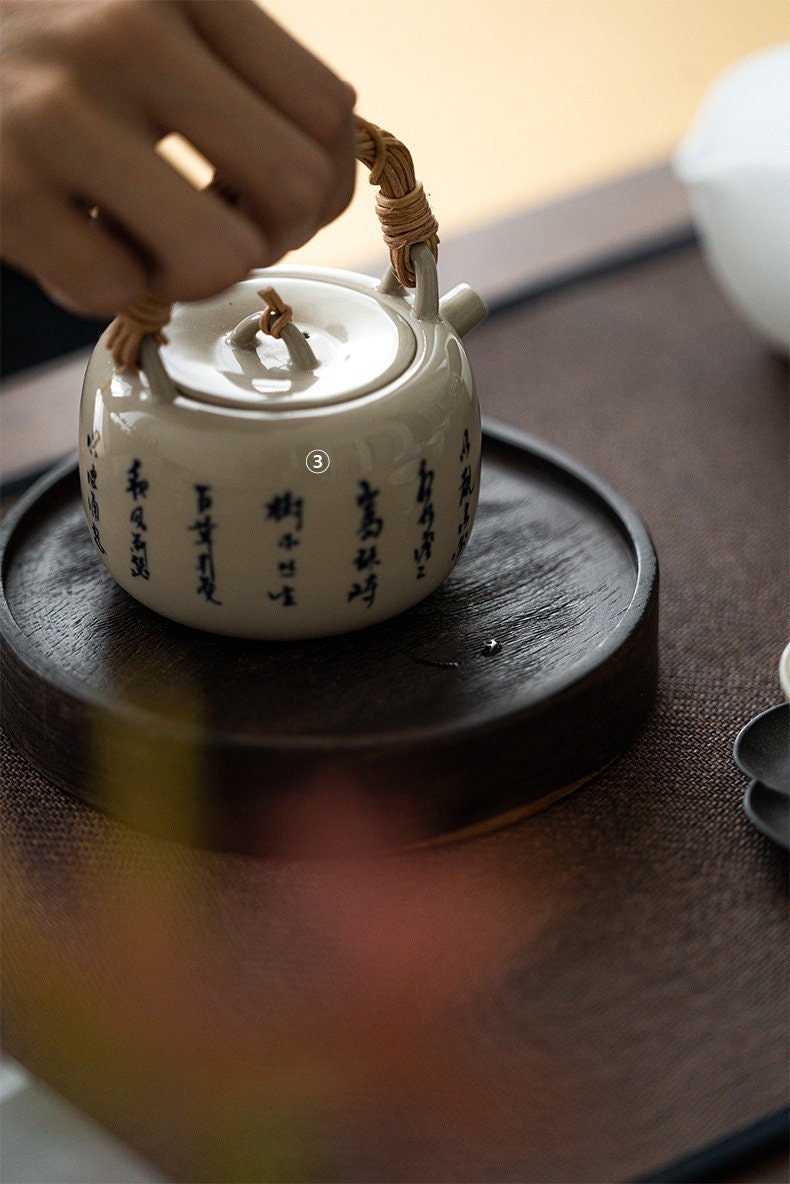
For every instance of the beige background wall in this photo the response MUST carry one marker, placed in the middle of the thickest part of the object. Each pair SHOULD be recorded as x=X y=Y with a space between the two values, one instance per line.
x=508 y=103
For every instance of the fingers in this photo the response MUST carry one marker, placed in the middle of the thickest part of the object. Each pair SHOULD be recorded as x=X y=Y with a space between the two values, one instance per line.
x=277 y=124
x=290 y=184
x=76 y=261
x=155 y=231
x=89 y=88
x=273 y=64
x=294 y=83
x=193 y=244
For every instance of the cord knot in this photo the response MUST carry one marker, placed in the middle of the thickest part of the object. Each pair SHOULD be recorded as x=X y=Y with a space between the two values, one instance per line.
x=406 y=221
x=277 y=313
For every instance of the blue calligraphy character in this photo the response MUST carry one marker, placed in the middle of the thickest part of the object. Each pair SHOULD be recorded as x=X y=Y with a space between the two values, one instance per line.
x=204 y=528
x=286 y=595
x=371 y=525
x=466 y=488
x=207 y=585
x=427 y=516
x=366 y=557
x=463 y=532
x=426 y=482
x=204 y=499
x=425 y=548
x=137 y=486
x=140 y=565
x=96 y=539
x=207 y=588
x=285 y=505
x=366 y=591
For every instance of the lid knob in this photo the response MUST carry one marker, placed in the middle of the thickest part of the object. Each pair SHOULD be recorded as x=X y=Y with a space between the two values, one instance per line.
x=277 y=321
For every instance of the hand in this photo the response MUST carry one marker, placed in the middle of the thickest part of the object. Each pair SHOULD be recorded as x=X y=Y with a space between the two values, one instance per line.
x=89 y=87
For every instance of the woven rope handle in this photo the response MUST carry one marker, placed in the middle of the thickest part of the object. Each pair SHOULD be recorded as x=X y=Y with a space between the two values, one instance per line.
x=404 y=213
x=402 y=207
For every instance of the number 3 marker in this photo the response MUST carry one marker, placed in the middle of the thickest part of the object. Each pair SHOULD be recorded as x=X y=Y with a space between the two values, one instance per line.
x=317 y=461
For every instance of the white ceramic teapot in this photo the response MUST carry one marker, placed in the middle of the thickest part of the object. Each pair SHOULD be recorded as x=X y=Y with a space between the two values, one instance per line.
x=298 y=485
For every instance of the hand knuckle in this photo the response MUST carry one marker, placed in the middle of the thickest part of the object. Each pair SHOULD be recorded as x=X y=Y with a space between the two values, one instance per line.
x=114 y=29
x=308 y=186
x=46 y=101
x=343 y=193
x=333 y=122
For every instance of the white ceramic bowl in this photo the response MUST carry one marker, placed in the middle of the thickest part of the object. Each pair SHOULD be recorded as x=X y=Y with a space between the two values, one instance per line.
x=240 y=493
x=784 y=671
x=735 y=162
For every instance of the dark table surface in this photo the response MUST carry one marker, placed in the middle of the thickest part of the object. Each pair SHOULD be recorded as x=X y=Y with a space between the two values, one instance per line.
x=584 y=995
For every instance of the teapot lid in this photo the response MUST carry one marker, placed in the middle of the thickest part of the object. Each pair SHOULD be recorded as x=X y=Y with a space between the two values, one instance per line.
x=359 y=339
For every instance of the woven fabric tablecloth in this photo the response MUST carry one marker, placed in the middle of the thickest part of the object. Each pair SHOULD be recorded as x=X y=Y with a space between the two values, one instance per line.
x=581 y=996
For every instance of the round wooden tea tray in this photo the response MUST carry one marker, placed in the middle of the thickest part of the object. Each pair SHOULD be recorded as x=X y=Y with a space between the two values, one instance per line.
x=530 y=669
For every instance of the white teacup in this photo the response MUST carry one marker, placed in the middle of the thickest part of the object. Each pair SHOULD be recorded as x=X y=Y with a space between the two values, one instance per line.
x=784 y=671
x=735 y=162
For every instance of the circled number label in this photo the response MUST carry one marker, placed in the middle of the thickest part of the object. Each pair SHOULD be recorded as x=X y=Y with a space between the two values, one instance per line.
x=317 y=461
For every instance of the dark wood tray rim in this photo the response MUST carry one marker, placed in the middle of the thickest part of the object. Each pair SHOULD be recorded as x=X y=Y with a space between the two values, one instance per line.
x=565 y=470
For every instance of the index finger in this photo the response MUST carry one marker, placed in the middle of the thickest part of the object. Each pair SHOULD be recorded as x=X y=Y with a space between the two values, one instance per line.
x=275 y=65
x=289 y=80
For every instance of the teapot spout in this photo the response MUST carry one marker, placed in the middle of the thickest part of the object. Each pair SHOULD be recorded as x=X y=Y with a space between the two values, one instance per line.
x=463 y=308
